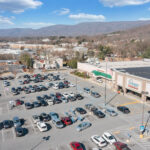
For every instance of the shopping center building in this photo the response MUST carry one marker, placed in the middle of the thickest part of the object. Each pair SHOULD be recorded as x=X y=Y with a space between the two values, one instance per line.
x=129 y=77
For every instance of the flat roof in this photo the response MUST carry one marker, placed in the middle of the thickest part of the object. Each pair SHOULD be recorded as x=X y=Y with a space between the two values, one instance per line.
x=143 y=72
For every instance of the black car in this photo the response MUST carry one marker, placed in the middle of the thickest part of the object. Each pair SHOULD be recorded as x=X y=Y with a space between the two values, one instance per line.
x=36 y=104
x=45 y=117
x=1 y=125
x=123 y=109
x=99 y=114
x=43 y=102
x=71 y=98
x=79 y=96
x=56 y=100
x=81 y=110
x=19 y=131
x=7 y=124
x=28 y=105
x=45 y=97
x=39 y=98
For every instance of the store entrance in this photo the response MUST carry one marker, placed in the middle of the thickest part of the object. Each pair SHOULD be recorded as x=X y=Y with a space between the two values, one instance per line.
x=133 y=93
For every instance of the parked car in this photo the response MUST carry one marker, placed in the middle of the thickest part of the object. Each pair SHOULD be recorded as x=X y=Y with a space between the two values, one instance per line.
x=50 y=102
x=16 y=122
x=45 y=117
x=28 y=105
x=87 y=90
x=111 y=112
x=1 y=125
x=42 y=126
x=95 y=94
x=79 y=96
x=98 y=113
x=19 y=131
x=58 y=123
x=83 y=126
x=53 y=115
x=66 y=120
x=120 y=146
x=36 y=118
x=63 y=99
x=7 y=124
x=109 y=137
x=98 y=140
x=76 y=146
x=36 y=104
x=81 y=110
x=123 y=109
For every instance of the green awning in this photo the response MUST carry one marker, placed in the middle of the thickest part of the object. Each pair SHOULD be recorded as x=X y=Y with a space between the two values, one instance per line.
x=102 y=74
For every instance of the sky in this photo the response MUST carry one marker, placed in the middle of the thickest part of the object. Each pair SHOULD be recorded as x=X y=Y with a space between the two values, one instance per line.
x=40 y=13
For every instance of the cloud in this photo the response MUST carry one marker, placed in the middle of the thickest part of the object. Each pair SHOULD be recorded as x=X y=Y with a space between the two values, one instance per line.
x=19 y=6
x=62 y=11
x=87 y=17
x=5 y=21
x=112 y=3
x=36 y=25
x=144 y=19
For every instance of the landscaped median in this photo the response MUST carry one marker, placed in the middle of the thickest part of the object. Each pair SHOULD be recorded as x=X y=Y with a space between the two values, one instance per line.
x=81 y=74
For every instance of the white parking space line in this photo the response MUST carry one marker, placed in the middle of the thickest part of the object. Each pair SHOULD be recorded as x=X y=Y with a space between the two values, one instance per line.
x=3 y=136
x=33 y=125
x=14 y=134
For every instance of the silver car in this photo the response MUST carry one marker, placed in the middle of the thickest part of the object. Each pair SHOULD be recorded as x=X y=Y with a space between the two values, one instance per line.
x=83 y=126
x=17 y=122
x=58 y=123
x=111 y=112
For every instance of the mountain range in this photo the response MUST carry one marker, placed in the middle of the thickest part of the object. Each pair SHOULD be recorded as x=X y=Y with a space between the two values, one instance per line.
x=87 y=28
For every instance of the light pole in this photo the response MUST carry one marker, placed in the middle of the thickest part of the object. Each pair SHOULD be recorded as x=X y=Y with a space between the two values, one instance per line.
x=105 y=83
x=147 y=121
x=144 y=93
x=76 y=85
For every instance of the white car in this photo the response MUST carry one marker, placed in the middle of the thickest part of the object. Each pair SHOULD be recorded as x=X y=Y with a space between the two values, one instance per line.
x=109 y=137
x=50 y=102
x=55 y=87
x=71 y=85
x=35 y=118
x=66 y=95
x=98 y=140
x=72 y=94
x=42 y=126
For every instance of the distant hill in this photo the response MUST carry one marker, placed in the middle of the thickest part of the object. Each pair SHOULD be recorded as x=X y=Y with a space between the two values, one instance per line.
x=89 y=29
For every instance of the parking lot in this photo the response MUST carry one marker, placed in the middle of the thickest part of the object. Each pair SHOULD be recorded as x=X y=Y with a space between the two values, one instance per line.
x=59 y=139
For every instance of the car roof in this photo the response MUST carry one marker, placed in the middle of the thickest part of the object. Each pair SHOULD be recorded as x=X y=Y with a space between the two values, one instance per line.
x=107 y=134
x=42 y=124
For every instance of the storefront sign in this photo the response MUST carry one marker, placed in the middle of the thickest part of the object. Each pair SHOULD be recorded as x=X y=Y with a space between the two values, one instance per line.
x=133 y=84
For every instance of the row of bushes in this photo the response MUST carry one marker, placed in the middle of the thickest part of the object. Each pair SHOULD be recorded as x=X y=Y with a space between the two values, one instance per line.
x=81 y=74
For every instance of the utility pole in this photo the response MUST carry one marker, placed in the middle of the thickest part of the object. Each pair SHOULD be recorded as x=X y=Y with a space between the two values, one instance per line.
x=143 y=109
x=105 y=83
x=76 y=85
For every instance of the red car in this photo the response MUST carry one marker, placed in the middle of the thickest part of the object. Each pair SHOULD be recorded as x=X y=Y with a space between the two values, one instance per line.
x=58 y=95
x=18 y=102
x=120 y=146
x=76 y=146
x=66 y=120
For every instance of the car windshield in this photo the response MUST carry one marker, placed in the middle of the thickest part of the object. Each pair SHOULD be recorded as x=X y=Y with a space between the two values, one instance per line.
x=59 y=123
x=111 y=137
